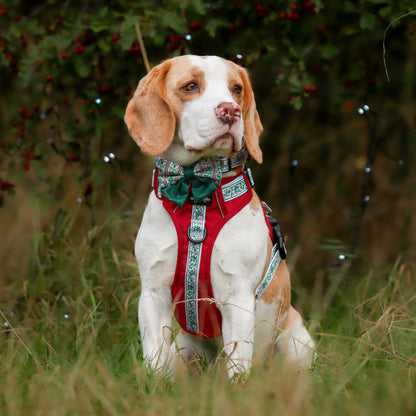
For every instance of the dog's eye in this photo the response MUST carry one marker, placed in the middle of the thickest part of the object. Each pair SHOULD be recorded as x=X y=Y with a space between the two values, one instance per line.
x=237 y=89
x=192 y=86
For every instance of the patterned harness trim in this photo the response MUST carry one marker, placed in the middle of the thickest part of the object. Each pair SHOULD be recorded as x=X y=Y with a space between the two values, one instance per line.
x=268 y=277
x=196 y=235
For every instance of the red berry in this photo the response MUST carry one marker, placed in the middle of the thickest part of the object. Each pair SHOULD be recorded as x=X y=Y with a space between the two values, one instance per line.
x=3 y=11
x=115 y=38
x=282 y=15
x=73 y=157
x=306 y=89
x=194 y=25
x=313 y=88
x=104 y=89
x=21 y=132
x=29 y=116
x=49 y=78
x=411 y=31
x=59 y=21
x=134 y=48
x=64 y=55
x=294 y=7
x=22 y=111
x=78 y=50
x=260 y=11
x=317 y=68
x=26 y=165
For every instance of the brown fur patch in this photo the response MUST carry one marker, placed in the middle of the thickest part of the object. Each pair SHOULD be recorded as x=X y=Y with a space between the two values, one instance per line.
x=255 y=205
x=279 y=288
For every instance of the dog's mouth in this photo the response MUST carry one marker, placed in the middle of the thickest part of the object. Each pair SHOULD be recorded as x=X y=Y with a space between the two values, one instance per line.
x=220 y=143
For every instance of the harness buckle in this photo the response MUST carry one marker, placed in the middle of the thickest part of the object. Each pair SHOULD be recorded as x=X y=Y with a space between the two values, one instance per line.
x=278 y=236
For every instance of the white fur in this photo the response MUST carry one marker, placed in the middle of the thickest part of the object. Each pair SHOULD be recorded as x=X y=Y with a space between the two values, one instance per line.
x=238 y=260
x=199 y=128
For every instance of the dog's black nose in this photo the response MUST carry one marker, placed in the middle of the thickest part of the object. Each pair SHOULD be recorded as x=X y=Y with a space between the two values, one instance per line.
x=228 y=113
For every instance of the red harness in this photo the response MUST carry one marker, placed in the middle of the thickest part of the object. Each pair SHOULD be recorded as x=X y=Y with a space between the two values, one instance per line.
x=197 y=227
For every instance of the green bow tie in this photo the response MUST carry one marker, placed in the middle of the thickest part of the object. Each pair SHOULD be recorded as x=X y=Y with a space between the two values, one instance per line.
x=175 y=180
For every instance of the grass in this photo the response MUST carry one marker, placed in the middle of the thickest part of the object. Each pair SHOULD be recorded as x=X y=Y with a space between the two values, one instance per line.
x=70 y=343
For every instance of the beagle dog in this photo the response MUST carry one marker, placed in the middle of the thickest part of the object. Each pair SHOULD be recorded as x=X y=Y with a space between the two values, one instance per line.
x=188 y=112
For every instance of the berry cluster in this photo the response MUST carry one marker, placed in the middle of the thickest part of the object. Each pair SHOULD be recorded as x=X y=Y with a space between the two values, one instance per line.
x=27 y=158
x=6 y=185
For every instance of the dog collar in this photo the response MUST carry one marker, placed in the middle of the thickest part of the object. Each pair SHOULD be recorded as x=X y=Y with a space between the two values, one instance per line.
x=202 y=178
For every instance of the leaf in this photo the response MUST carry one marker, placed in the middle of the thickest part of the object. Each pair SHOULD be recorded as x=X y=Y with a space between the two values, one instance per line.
x=104 y=44
x=81 y=67
x=199 y=6
x=295 y=81
x=368 y=21
x=328 y=51
x=297 y=102
x=214 y=24
x=385 y=11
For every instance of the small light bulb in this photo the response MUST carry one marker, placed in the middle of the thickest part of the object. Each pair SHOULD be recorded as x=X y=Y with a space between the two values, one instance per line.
x=367 y=169
x=366 y=107
x=79 y=200
x=98 y=101
x=106 y=159
x=342 y=257
x=360 y=111
x=111 y=156
x=188 y=37
x=239 y=56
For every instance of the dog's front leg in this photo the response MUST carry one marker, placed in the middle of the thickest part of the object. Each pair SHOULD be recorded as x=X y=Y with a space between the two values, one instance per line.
x=155 y=320
x=156 y=252
x=238 y=335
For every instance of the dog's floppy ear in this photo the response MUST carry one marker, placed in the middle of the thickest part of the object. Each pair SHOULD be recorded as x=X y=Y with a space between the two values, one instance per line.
x=252 y=123
x=149 y=115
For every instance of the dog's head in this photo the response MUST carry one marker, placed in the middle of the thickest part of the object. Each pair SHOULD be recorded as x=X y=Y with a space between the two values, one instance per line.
x=191 y=107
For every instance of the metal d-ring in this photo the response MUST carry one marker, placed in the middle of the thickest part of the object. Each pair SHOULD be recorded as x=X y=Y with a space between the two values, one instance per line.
x=196 y=237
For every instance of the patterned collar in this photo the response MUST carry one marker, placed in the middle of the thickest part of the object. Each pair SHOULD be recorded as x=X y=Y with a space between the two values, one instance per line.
x=202 y=178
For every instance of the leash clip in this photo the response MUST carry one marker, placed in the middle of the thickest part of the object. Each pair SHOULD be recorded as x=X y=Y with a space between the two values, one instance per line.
x=278 y=236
